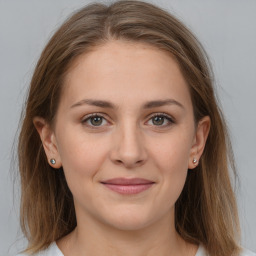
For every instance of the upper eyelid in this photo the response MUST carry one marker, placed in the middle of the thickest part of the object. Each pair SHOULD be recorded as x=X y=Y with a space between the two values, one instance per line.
x=161 y=114
x=93 y=114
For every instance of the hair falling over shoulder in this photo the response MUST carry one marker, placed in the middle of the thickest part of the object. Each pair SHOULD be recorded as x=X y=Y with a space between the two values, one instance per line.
x=206 y=211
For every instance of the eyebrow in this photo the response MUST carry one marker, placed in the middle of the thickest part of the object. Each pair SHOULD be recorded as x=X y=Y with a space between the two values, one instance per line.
x=160 y=103
x=97 y=103
x=107 y=104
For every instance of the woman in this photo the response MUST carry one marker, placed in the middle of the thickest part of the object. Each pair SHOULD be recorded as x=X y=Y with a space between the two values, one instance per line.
x=123 y=144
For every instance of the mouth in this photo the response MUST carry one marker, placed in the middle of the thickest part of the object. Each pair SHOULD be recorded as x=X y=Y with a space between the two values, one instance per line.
x=128 y=186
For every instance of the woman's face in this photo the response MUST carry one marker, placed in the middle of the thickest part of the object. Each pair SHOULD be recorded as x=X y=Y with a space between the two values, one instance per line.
x=125 y=135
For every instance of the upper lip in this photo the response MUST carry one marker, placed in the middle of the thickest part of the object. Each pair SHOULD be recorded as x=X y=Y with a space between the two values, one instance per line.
x=127 y=181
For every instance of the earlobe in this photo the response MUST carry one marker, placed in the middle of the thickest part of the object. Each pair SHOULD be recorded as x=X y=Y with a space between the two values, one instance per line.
x=49 y=141
x=199 y=142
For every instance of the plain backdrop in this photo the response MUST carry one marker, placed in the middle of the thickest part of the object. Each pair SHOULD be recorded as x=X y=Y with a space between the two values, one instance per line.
x=227 y=29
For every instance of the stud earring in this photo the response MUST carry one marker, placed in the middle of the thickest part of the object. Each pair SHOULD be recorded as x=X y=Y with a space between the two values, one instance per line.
x=52 y=161
x=194 y=161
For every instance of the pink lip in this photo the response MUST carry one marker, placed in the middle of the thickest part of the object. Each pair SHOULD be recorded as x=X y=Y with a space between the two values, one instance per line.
x=128 y=186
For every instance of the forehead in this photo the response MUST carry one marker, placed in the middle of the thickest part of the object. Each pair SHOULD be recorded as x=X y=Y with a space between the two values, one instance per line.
x=121 y=68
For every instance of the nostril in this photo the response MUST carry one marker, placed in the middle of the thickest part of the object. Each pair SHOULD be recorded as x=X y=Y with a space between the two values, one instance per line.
x=129 y=164
x=127 y=153
x=119 y=161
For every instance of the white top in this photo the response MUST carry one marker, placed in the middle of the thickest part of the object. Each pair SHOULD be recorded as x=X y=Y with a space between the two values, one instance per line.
x=53 y=250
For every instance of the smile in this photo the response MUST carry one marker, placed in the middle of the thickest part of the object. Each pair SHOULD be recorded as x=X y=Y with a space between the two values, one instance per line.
x=128 y=186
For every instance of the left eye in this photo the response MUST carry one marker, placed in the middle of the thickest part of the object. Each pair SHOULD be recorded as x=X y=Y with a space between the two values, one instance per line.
x=95 y=121
x=160 y=120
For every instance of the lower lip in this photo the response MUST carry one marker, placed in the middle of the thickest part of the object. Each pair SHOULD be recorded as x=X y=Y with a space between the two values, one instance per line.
x=128 y=189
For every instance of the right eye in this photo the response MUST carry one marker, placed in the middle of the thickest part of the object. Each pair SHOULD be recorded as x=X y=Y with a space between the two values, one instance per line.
x=94 y=120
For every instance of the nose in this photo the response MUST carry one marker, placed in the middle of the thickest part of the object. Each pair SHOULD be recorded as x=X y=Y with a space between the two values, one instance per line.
x=128 y=147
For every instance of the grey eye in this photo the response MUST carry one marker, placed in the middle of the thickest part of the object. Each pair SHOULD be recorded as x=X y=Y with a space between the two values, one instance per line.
x=161 y=120
x=96 y=120
x=158 y=120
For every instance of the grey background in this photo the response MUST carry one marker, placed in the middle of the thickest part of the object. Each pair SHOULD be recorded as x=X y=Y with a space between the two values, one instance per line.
x=227 y=30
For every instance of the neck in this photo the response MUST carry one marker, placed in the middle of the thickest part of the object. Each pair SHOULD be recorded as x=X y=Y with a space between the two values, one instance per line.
x=91 y=238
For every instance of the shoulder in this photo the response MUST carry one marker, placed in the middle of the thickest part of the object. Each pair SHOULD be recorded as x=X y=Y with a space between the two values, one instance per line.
x=202 y=252
x=246 y=252
x=52 y=250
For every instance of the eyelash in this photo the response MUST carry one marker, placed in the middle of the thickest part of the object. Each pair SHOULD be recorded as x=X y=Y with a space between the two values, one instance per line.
x=169 y=119
x=87 y=118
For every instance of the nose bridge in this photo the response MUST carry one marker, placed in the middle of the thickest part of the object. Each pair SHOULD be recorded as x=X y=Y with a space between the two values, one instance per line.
x=128 y=148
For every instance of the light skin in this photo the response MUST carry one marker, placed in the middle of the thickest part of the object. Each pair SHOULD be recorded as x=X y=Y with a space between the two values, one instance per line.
x=125 y=112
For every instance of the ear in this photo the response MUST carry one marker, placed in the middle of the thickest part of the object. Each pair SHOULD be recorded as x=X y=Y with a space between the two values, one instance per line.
x=199 y=141
x=48 y=140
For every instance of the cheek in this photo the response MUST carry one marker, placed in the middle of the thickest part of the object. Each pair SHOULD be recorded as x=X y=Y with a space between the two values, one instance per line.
x=81 y=158
x=171 y=157
x=171 y=153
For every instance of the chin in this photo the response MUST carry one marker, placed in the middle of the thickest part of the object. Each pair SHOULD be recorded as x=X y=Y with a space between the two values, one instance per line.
x=129 y=220
x=129 y=224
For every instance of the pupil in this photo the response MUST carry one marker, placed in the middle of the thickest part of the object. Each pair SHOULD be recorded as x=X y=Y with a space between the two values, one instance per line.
x=158 y=120
x=96 y=120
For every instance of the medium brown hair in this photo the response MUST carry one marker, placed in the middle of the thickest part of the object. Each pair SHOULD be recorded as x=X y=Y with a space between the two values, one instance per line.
x=206 y=210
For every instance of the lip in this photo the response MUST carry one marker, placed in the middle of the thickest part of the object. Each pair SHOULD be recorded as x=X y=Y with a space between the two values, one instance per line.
x=128 y=186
